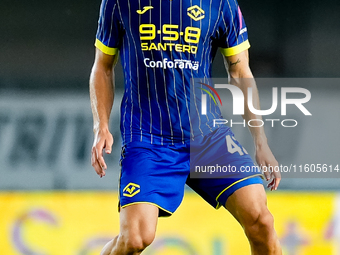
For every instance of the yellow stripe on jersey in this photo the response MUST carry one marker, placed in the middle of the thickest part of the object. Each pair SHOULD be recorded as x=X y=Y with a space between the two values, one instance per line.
x=236 y=49
x=105 y=49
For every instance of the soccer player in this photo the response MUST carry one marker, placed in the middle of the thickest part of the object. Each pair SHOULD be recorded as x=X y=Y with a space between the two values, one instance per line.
x=163 y=45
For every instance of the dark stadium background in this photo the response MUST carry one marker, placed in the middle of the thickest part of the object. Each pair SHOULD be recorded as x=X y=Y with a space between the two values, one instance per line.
x=46 y=54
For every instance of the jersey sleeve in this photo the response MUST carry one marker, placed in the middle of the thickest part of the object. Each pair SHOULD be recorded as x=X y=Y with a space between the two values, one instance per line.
x=109 y=32
x=233 y=37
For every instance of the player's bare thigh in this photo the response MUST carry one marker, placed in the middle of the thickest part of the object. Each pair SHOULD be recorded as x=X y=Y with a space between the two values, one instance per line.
x=247 y=202
x=138 y=223
x=249 y=206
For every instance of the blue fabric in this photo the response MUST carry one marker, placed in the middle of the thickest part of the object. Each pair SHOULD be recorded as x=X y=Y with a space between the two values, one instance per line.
x=159 y=171
x=157 y=174
x=163 y=45
x=212 y=151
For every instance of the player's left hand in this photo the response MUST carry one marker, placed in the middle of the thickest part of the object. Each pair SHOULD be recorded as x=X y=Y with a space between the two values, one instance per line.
x=267 y=162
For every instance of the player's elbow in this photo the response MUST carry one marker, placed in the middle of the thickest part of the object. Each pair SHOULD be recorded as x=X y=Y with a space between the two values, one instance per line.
x=238 y=73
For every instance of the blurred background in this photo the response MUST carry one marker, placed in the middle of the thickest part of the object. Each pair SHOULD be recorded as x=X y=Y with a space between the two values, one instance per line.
x=52 y=202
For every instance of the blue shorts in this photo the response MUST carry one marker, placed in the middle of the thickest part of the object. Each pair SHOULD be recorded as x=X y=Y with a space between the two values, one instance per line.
x=157 y=174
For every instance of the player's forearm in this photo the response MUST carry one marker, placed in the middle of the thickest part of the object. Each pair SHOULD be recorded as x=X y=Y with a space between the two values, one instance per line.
x=102 y=95
x=244 y=80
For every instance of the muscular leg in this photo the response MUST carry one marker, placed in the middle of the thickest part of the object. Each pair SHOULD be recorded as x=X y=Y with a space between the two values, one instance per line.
x=137 y=230
x=249 y=206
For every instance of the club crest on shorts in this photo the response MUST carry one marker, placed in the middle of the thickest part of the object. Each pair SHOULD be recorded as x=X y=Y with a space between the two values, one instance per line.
x=131 y=190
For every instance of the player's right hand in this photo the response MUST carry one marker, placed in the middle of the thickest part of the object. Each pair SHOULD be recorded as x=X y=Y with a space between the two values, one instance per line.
x=103 y=139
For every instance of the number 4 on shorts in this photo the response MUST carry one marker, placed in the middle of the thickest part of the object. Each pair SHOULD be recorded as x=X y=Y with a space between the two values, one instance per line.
x=233 y=147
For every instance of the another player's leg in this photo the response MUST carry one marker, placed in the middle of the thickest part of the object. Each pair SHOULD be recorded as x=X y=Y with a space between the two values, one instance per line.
x=137 y=230
x=249 y=206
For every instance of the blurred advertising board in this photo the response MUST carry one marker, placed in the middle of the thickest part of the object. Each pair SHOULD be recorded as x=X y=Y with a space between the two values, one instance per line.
x=80 y=223
x=45 y=142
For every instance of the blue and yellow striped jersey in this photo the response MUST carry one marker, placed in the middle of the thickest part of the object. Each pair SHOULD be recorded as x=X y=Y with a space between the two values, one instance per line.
x=163 y=44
